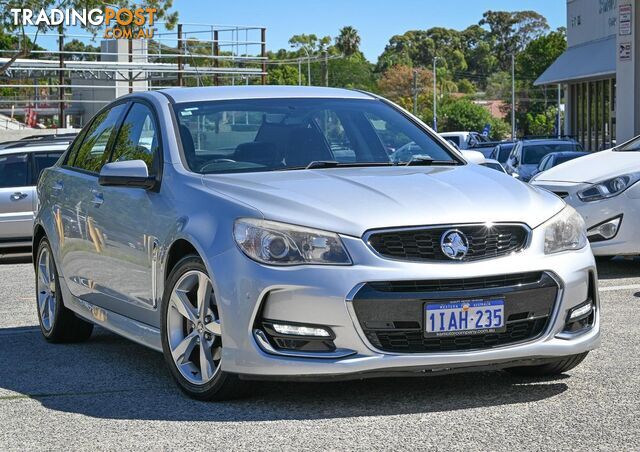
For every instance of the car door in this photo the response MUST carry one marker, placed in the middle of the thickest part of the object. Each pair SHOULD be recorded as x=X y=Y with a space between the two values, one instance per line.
x=130 y=220
x=39 y=162
x=543 y=166
x=16 y=198
x=511 y=160
x=74 y=189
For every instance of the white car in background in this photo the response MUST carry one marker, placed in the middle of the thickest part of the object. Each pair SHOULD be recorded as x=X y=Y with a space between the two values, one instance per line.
x=21 y=163
x=605 y=188
x=464 y=140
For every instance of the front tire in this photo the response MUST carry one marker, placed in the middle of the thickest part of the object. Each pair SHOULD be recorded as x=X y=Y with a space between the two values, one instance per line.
x=550 y=369
x=191 y=333
x=58 y=324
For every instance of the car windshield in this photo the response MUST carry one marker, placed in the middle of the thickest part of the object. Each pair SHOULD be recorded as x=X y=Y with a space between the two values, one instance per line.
x=630 y=146
x=565 y=158
x=532 y=154
x=277 y=134
x=503 y=153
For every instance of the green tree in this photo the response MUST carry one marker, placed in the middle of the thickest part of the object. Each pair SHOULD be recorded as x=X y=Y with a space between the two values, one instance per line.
x=348 y=41
x=540 y=53
x=76 y=48
x=512 y=31
x=467 y=87
x=541 y=124
x=285 y=75
x=463 y=114
x=353 y=72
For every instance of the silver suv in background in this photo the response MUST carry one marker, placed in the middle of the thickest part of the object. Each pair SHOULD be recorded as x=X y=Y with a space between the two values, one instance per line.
x=21 y=163
x=254 y=233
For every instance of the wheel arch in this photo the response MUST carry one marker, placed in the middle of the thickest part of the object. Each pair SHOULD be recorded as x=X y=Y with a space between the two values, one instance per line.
x=38 y=234
x=180 y=248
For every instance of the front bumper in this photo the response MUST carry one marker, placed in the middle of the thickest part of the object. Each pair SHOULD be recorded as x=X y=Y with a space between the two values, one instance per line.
x=627 y=205
x=319 y=295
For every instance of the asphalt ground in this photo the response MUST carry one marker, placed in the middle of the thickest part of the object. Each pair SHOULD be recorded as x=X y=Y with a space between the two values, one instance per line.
x=111 y=394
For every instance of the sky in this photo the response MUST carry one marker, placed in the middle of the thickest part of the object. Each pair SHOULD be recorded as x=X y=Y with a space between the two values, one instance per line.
x=376 y=20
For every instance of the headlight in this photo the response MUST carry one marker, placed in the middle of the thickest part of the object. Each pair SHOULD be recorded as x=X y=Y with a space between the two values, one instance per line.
x=565 y=232
x=274 y=243
x=609 y=188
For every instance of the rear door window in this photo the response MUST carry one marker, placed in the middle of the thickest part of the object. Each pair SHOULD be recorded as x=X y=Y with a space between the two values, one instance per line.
x=14 y=170
x=41 y=161
x=92 y=154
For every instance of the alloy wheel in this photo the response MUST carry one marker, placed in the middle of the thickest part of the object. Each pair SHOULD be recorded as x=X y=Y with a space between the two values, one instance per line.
x=47 y=296
x=194 y=329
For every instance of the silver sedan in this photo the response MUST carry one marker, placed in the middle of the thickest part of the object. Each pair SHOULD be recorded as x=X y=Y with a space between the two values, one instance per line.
x=265 y=233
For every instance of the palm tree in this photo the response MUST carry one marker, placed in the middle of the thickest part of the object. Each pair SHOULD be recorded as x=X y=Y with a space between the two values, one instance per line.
x=348 y=42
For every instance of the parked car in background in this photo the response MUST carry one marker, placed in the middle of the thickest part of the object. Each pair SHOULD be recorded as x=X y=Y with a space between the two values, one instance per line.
x=604 y=187
x=502 y=151
x=256 y=252
x=20 y=167
x=59 y=138
x=526 y=155
x=464 y=140
x=494 y=164
x=556 y=158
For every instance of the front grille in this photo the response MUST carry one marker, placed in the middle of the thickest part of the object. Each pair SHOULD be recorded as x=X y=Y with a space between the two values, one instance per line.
x=392 y=314
x=439 y=285
x=424 y=244
x=561 y=194
x=415 y=342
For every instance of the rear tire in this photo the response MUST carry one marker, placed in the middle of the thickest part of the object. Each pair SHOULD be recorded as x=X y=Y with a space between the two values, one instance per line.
x=58 y=324
x=550 y=369
x=192 y=335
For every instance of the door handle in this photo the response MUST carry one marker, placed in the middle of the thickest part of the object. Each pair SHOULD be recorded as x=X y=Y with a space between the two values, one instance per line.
x=57 y=186
x=98 y=198
x=17 y=196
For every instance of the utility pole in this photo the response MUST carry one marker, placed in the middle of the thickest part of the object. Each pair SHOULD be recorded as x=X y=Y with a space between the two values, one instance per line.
x=326 y=68
x=299 y=72
x=513 y=96
x=180 y=48
x=415 y=92
x=559 y=117
x=62 y=123
x=435 y=96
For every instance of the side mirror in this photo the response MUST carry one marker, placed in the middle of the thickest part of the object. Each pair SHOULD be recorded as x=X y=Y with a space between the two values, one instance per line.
x=131 y=173
x=474 y=157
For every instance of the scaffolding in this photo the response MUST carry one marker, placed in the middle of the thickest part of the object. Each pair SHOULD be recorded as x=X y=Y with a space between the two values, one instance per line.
x=64 y=82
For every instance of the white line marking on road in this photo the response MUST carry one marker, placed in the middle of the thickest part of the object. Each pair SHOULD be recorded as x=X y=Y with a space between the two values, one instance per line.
x=613 y=288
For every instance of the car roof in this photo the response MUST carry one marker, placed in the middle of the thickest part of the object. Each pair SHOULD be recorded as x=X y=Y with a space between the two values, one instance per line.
x=568 y=153
x=180 y=95
x=548 y=141
x=48 y=147
x=450 y=134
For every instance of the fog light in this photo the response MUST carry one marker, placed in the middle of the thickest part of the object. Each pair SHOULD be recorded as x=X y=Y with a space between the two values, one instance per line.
x=604 y=231
x=580 y=311
x=300 y=330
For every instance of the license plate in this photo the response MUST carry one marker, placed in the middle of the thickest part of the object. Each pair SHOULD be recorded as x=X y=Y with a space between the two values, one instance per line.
x=465 y=318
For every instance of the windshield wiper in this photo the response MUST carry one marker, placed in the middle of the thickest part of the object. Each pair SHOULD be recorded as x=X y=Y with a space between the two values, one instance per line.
x=320 y=164
x=425 y=160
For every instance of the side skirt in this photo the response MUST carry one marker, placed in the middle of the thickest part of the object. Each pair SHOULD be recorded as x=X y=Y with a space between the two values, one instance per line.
x=123 y=326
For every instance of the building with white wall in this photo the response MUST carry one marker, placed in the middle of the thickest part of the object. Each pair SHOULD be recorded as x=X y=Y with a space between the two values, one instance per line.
x=600 y=72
